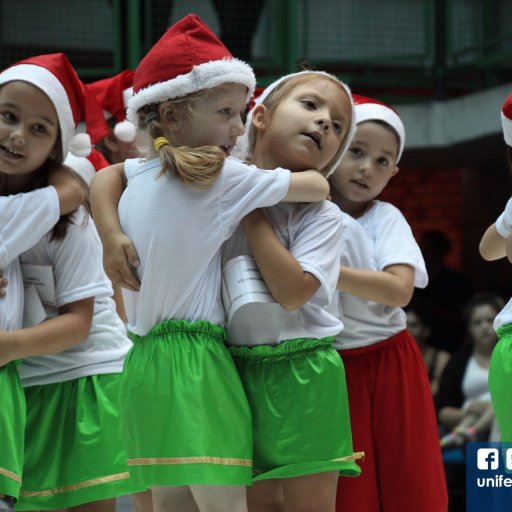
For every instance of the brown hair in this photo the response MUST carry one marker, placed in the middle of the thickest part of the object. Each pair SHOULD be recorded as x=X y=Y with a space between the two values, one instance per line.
x=199 y=166
x=281 y=92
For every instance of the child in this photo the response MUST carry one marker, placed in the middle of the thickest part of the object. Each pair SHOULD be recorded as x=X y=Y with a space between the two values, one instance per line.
x=495 y=244
x=33 y=214
x=185 y=414
x=391 y=405
x=302 y=438
x=73 y=449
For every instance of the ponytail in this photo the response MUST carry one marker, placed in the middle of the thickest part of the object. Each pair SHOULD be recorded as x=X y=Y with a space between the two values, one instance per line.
x=199 y=166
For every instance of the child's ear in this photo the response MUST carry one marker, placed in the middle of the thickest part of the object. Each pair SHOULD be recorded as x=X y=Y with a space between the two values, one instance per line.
x=260 y=117
x=395 y=171
x=168 y=114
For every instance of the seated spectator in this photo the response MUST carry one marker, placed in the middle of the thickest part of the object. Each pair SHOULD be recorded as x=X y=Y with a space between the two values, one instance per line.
x=463 y=400
x=418 y=324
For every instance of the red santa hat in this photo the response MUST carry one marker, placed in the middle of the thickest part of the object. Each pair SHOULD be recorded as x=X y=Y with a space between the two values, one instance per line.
x=73 y=101
x=188 y=58
x=506 y=120
x=113 y=94
x=369 y=109
x=241 y=149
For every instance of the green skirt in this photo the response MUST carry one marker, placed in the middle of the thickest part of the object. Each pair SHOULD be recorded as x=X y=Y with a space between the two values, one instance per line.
x=298 y=399
x=12 y=430
x=74 y=452
x=500 y=382
x=185 y=415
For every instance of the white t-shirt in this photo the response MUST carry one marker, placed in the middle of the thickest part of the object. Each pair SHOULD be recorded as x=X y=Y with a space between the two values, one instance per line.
x=24 y=219
x=77 y=266
x=379 y=238
x=504 y=228
x=475 y=383
x=178 y=231
x=312 y=234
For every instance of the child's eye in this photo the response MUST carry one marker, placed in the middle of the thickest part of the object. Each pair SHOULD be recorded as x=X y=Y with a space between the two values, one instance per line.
x=226 y=111
x=39 y=128
x=309 y=103
x=337 y=127
x=383 y=161
x=8 y=116
x=355 y=150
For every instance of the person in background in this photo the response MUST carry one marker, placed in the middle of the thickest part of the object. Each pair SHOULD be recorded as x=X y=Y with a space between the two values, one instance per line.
x=418 y=324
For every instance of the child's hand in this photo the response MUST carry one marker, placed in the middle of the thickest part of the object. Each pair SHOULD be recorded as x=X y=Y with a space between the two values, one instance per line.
x=120 y=261
x=3 y=284
x=71 y=190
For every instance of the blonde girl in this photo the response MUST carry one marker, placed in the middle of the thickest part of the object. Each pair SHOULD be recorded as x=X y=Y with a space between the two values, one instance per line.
x=186 y=418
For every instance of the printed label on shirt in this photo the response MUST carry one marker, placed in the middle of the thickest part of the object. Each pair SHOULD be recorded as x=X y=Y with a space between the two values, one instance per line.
x=33 y=310
x=242 y=283
x=41 y=276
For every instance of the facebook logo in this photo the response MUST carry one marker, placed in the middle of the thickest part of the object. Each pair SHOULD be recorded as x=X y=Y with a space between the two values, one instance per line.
x=487 y=458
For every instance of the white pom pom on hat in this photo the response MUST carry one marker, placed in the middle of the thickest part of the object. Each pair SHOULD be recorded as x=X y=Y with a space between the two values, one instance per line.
x=188 y=58
x=370 y=109
x=73 y=101
x=125 y=131
x=113 y=94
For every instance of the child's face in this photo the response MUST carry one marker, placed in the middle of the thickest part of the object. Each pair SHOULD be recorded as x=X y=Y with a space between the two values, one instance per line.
x=29 y=128
x=216 y=120
x=305 y=130
x=367 y=167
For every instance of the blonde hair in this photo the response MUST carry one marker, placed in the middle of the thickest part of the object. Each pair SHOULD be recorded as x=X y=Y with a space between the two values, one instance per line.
x=281 y=92
x=199 y=166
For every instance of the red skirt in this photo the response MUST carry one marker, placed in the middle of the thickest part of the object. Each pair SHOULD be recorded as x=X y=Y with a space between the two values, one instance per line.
x=394 y=423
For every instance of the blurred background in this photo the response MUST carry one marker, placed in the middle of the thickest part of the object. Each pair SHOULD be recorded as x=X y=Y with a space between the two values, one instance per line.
x=445 y=65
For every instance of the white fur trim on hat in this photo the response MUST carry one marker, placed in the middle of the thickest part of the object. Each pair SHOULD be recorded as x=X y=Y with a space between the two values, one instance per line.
x=507 y=129
x=203 y=76
x=51 y=86
x=375 y=111
x=241 y=149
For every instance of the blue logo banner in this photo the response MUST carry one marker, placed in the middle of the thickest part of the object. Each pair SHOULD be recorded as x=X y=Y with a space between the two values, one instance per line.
x=488 y=477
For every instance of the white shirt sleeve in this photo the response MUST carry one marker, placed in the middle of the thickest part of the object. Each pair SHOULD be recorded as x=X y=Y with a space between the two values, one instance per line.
x=316 y=247
x=78 y=263
x=24 y=220
x=245 y=188
x=504 y=222
x=395 y=243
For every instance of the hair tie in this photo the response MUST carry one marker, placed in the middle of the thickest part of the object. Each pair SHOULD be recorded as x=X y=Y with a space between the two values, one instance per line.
x=159 y=142
x=152 y=116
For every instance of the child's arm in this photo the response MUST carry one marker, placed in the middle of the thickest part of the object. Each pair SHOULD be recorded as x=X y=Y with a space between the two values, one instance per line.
x=70 y=328
x=71 y=191
x=290 y=286
x=307 y=187
x=119 y=254
x=392 y=286
x=492 y=246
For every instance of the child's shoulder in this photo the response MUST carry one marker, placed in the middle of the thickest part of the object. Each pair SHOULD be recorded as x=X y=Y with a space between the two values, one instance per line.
x=380 y=212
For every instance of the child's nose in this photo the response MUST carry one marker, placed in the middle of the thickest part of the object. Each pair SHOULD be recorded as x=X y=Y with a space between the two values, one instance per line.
x=17 y=136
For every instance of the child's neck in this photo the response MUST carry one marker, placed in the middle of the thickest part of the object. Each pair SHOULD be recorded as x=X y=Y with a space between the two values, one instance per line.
x=353 y=209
